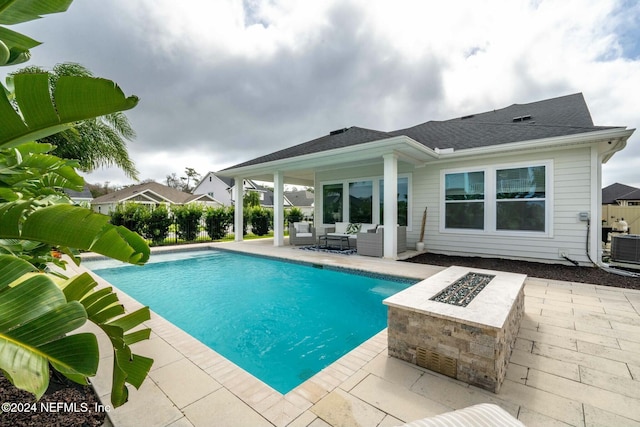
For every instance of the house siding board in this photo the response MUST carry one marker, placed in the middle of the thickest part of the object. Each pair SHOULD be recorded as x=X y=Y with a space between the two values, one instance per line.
x=571 y=173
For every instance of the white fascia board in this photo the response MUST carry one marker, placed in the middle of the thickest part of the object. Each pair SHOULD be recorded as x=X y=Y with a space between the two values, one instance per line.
x=346 y=154
x=145 y=194
x=616 y=134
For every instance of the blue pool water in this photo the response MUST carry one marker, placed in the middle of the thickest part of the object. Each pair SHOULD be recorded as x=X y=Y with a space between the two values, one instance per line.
x=282 y=322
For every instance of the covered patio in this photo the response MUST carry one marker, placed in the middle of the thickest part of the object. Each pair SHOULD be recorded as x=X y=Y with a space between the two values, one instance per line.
x=303 y=164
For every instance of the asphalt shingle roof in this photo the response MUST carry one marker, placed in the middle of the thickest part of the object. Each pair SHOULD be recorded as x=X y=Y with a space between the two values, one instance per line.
x=565 y=115
x=617 y=191
x=351 y=136
x=171 y=194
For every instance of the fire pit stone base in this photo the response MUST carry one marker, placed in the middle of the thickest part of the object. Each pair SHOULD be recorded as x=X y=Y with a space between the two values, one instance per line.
x=473 y=343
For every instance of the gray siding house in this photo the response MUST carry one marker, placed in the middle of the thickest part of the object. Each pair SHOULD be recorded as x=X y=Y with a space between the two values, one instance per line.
x=520 y=182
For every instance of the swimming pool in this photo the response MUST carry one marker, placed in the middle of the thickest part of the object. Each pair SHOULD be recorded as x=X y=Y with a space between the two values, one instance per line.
x=280 y=321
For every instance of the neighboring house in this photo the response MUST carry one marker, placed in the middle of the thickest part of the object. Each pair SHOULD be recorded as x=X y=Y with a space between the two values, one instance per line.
x=303 y=200
x=218 y=187
x=518 y=182
x=621 y=195
x=223 y=189
x=151 y=194
x=81 y=198
x=620 y=201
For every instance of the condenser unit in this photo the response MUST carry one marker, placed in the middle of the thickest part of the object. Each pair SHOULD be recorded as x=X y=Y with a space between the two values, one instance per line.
x=625 y=248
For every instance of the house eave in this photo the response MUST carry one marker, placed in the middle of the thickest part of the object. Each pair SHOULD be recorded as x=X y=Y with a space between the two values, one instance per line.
x=614 y=140
x=407 y=149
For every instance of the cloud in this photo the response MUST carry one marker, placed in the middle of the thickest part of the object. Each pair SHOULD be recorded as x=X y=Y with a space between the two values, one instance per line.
x=226 y=81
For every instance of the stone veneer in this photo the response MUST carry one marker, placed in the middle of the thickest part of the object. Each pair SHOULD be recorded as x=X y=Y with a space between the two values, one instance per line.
x=473 y=343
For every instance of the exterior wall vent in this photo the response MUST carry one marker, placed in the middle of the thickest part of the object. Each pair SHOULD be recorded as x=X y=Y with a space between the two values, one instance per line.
x=436 y=362
x=338 y=131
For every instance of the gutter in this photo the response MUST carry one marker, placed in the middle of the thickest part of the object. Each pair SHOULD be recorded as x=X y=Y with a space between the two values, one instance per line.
x=581 y=138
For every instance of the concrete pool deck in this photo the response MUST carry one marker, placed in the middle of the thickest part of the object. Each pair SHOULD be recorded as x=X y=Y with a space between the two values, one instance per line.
x=576 y=362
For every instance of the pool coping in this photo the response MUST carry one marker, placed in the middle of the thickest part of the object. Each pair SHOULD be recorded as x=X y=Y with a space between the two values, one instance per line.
x=268 y=404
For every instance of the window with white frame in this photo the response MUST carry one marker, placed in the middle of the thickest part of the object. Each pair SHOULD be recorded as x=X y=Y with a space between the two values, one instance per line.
x=464 y=200
x=354 y=200
x=498 y=198
x=521 y=198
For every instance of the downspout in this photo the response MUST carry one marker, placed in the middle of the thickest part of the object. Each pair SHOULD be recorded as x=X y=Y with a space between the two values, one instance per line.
x=598 y=202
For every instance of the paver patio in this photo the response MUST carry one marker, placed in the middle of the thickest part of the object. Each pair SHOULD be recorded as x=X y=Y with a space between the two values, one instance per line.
x=576 y=362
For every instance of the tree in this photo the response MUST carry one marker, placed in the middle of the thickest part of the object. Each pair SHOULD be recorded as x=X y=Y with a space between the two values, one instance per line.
x=183 y=183
x=191 y=174
x=37 y=311
x=251 y=199
x=94 y=142
x=173 y=181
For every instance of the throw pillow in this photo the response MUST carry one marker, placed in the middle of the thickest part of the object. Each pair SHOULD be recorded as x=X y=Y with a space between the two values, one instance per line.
x=353 y=228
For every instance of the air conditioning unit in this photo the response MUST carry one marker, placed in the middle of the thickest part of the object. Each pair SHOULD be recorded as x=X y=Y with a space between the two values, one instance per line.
x=625 y=248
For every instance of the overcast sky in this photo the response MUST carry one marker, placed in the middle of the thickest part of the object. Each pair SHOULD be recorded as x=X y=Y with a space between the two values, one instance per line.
x=223 y=81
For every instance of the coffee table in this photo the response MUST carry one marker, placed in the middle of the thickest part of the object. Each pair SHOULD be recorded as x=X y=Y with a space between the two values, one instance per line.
x=334 y=240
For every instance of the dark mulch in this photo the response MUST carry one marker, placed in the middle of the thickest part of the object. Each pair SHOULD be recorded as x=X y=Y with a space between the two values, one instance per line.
x=569 y=273
x=65 y=404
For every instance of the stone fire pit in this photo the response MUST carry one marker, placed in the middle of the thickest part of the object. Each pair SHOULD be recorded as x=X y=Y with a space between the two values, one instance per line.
x=460 y=322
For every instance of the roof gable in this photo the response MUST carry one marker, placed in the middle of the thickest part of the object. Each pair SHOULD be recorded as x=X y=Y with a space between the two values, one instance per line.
x=152 y=190
x=229 y=182
x=300 y=198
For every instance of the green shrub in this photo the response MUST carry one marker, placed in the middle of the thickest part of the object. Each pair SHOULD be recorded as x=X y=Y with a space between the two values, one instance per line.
x=131 y=215
x=245 y=219
x=157 y=225
x=188 y=219
x=294 y=215
x=217 y=221
x=260 y=220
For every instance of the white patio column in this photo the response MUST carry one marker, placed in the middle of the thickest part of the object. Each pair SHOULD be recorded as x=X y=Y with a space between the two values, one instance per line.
x=390 y=219
x=237 y=220
x=278 y=209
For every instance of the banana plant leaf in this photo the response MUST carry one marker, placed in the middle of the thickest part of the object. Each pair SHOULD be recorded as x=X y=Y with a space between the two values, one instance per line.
x=72 y=227
x=39 y=115
x=35 y=318
x=16 y=12
x=104 y=309
x=14 y=47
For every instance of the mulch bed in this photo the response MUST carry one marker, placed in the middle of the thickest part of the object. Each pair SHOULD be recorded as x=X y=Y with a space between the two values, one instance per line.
x=569 y=273
x=65 y=404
